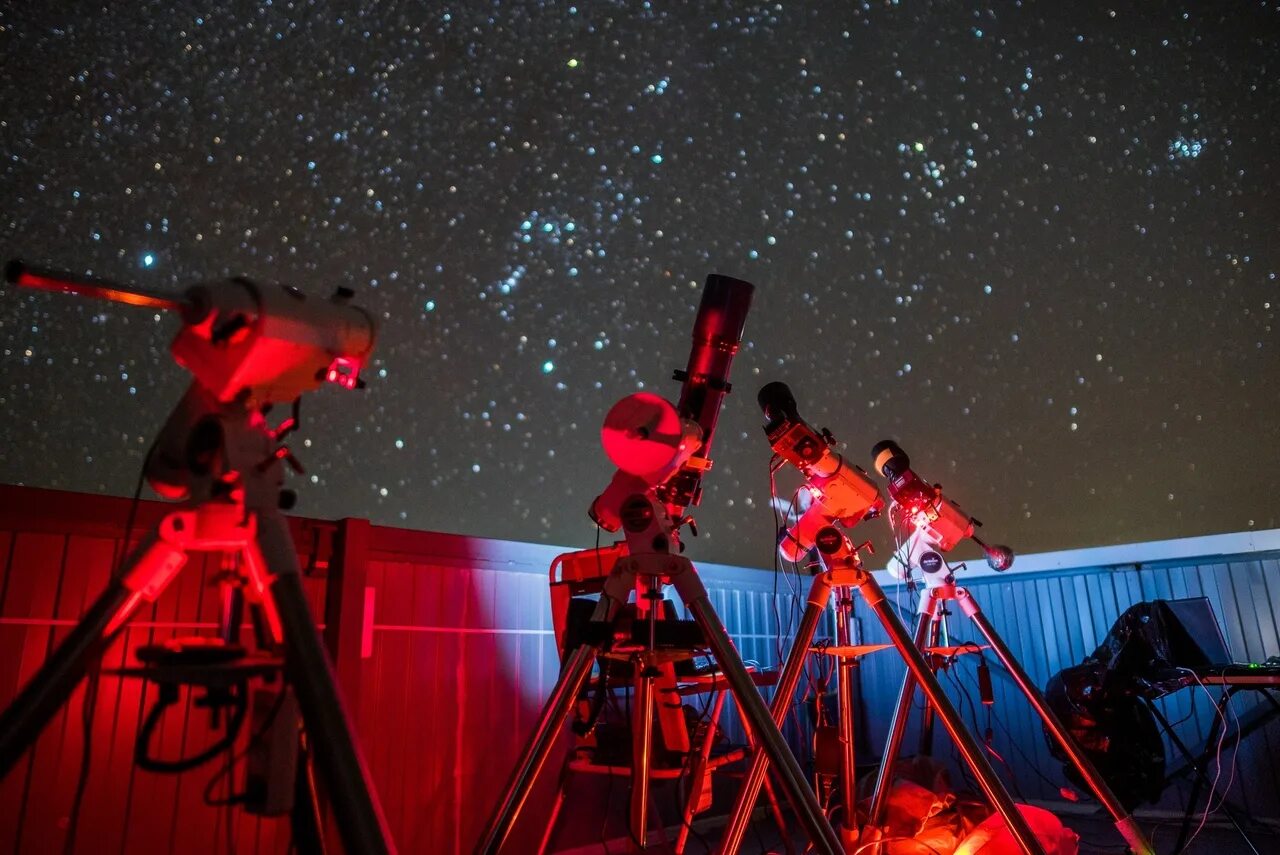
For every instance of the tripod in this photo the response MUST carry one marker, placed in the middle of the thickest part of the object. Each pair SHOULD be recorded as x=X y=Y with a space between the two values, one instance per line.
x=940 y=588
x=843 y=572
x=246 y=345
x=600 y=743
x=647 y=522
x=247 y=524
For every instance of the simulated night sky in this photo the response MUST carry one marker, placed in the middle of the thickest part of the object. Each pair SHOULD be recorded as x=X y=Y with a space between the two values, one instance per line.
x=1036 y=245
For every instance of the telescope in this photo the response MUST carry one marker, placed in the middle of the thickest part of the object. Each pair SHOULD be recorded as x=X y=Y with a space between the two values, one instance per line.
x=937 y=519
x=843 y=495
x=666 y=447
x=936 y=525
x=842 y=492
x=246 y=345
x=662 y=451
x=239 y=339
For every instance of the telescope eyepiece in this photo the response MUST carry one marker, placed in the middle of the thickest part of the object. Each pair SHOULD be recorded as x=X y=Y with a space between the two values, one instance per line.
x=889 y=459
x=777 y=402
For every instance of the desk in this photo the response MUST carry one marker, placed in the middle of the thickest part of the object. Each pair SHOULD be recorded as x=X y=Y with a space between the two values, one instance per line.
x=1243 y=681
x=1267 y=683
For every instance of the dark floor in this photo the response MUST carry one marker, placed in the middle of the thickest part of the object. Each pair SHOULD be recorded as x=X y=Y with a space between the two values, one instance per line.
x=1097 y=837
x=1218 y=837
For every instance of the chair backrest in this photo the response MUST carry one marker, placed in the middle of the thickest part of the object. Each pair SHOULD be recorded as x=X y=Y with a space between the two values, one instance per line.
x=576 y=574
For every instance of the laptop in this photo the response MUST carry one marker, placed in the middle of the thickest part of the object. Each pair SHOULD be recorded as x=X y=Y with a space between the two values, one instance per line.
x=1195 y=638
x=1196 y=641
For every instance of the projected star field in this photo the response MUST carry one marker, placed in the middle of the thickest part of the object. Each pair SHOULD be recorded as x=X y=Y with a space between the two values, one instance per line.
x=1034 y=243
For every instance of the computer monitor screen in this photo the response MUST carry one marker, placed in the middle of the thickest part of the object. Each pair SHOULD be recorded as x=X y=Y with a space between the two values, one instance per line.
x=1196 y=639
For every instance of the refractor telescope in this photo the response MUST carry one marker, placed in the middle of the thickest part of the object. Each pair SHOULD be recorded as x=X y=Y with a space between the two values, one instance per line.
x=842 y=492
x=923 y=506
x=666 y=447
x=247 y=346
x=260 y=344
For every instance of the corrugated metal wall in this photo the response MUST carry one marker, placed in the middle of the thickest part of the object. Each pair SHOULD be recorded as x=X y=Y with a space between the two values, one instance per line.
x=448 y=672
x=57 y=553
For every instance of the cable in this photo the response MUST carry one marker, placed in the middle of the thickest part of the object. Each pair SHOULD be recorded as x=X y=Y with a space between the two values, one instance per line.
x=229 y=810
x=686 y=767
x=777 y=526
x=1217 y=775
x=237 y=700
x=89 y=703
x=235 y=757
x=608 y=809
x=965 y=771
x=999 y=722
x=1235 y=751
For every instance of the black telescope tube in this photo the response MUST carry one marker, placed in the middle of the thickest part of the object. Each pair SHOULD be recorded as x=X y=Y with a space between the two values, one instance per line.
x=717 y=333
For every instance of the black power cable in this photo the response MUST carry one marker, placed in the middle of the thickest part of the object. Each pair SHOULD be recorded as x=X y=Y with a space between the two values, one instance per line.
x=89 y=704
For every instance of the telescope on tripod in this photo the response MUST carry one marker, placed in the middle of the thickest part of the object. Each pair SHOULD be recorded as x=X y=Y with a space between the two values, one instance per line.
x=247 y=346
x=843 y=495
x=662 y=451
x=928 y=524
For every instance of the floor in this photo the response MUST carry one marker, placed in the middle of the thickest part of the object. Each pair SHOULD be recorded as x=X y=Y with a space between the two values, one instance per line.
x=1097 y=837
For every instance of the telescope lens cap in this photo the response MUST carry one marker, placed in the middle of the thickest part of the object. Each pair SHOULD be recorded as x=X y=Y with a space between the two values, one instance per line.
x=642 y=433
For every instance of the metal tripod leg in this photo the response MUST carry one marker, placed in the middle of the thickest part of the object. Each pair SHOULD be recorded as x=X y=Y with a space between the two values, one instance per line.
x=788 y=680
x=1124 y=822
x=553 y=821
x=926 y=715
x=751 y=707
x=51 y=687
x=554 y=714
x=848 y=756
x=641 y=753
x=348 y=784
x=306 y=820
x=898 y=724
x=699 y=769
x=950 y=718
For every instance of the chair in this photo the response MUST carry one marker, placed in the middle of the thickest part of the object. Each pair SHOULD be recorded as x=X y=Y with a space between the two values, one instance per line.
x=686 y=739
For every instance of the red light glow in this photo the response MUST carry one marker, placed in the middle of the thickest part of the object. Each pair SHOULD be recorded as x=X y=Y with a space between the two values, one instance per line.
x=343 y=371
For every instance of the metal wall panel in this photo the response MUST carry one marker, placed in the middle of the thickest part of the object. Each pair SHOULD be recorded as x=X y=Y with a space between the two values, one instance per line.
x=57 y=551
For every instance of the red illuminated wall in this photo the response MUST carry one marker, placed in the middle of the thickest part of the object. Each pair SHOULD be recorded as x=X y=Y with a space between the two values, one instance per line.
x=444 y=681
x=58 y=550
